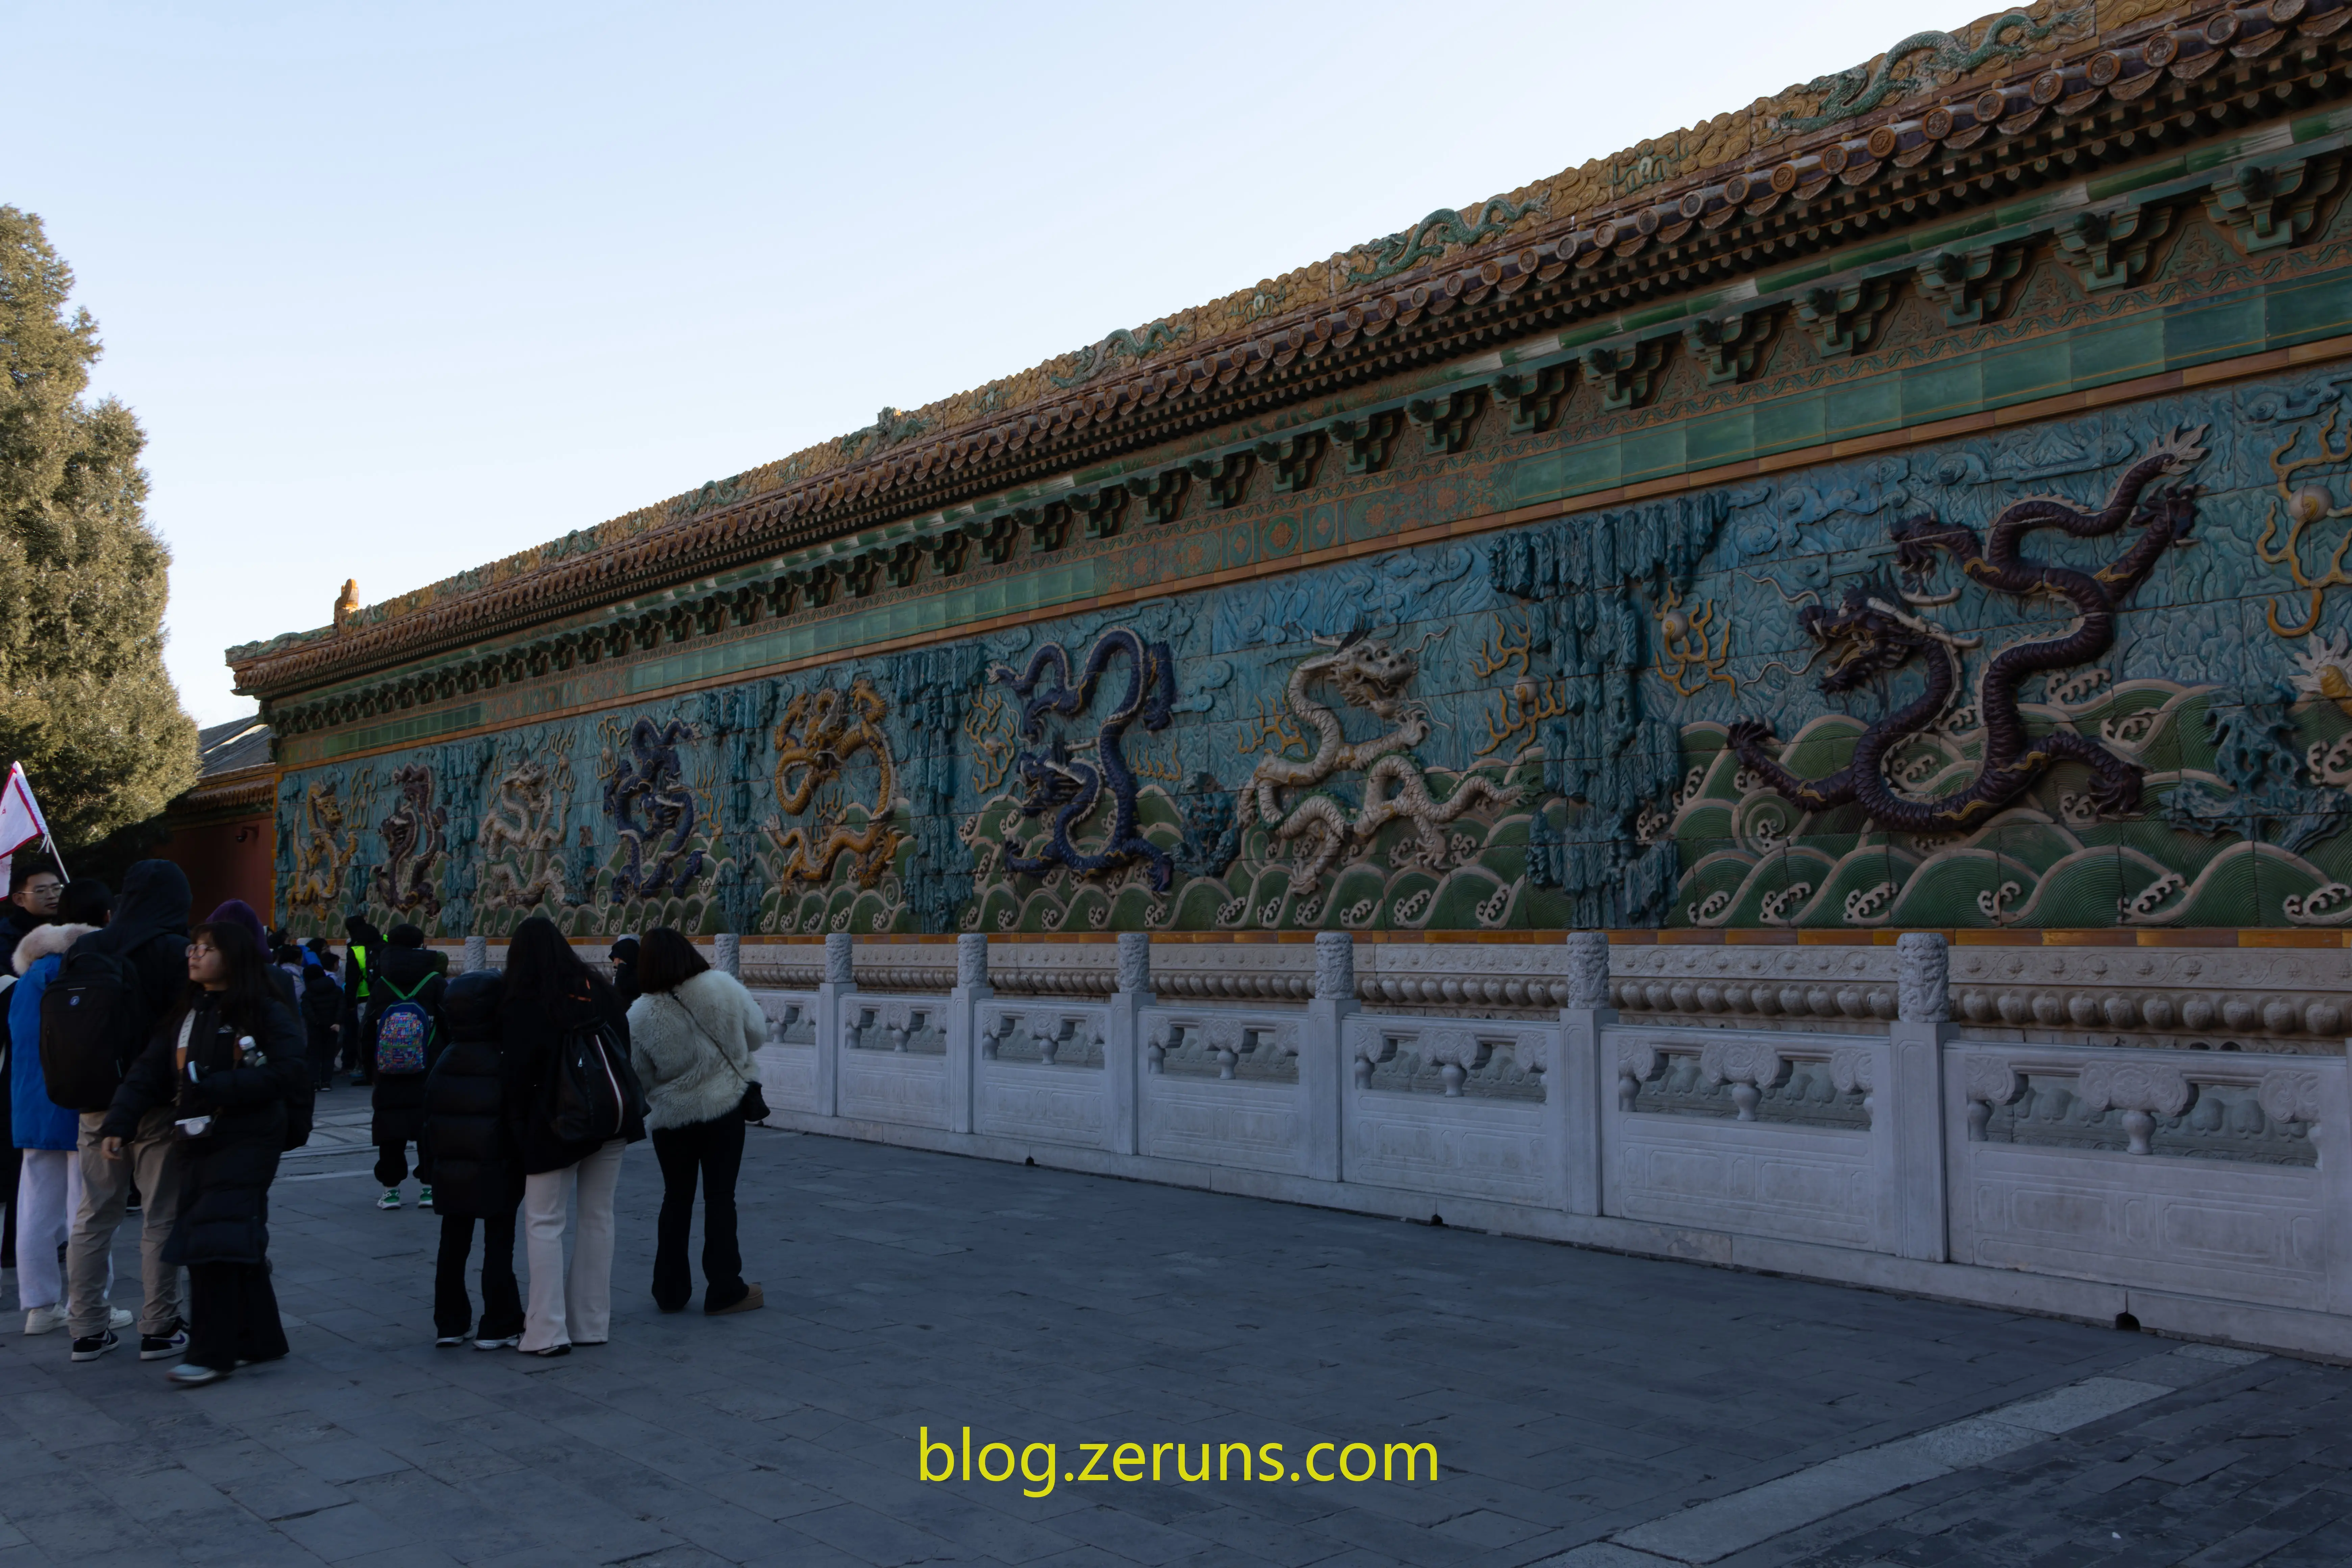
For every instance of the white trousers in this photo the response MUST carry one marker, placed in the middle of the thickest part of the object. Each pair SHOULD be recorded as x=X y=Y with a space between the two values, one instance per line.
x=48 y=1192
x=573 y=1307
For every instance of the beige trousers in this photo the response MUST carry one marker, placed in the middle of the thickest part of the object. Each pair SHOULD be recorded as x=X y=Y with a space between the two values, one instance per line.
x=105 y=1187
x=573 y=1307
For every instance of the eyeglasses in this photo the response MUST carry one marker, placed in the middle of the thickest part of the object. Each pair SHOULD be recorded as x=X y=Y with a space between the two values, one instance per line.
x=202 y=947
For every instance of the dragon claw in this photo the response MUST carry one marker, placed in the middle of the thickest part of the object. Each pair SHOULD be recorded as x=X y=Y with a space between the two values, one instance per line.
x=2115 y=796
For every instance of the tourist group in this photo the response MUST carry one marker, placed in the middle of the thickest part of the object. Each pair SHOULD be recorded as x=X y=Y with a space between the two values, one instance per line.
x=160 y=1070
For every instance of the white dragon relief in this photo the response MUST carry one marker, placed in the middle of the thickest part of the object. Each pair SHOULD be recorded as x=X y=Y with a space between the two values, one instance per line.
x=1371 y=676
x=525 y=821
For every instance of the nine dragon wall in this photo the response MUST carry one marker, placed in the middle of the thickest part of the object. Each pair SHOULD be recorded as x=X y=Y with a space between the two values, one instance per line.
x=1523 y=730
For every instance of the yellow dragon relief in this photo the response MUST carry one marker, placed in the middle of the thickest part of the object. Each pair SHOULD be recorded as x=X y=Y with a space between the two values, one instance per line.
x=820 y=732
x=319 y=863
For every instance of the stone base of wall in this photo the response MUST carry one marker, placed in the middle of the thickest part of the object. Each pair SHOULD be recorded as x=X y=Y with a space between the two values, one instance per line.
x=2206 y=997
x=2202 y=1192
x=2317 y=1335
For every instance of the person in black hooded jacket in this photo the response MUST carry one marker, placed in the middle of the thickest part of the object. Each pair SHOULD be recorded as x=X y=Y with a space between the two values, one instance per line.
x=226 y=1065
x=149 y=934
x=322 y=1009
x=404 y=974
x=477 y=1174
x=624 y=959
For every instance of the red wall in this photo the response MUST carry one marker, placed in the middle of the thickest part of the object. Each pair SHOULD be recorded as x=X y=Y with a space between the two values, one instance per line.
x=223 y=861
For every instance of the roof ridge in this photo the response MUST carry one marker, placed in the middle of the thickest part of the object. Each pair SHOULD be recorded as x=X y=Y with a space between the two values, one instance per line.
x=1924 y=63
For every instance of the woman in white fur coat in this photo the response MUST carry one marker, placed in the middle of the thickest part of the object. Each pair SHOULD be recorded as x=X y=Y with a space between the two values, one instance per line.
x=692 y=1033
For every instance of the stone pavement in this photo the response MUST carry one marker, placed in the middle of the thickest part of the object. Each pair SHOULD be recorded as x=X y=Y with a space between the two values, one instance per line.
x=1580 y=1403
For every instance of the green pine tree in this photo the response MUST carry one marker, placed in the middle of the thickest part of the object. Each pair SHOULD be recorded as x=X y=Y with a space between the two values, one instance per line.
x=84 y=702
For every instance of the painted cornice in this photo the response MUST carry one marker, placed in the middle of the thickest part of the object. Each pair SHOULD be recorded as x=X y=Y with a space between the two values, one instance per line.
x=248 y=790
x=1877 y=152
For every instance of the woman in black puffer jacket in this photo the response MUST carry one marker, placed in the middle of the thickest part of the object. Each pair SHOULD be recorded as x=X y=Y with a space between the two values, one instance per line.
x=230 y=1061
x=476 y=1174
x=553 y=1000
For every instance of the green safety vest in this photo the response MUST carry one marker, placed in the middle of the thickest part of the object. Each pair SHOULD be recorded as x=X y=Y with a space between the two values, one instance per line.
x=359 y=955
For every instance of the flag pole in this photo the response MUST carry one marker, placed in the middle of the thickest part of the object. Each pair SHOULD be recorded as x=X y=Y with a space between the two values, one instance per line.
x=54 y=856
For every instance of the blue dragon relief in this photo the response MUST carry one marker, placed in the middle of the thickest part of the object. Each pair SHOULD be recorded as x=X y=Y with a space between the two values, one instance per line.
x=1057 y=784
x=652 y=811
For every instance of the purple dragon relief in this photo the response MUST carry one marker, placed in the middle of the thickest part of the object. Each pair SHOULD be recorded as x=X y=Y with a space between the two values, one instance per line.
x=1874 y=630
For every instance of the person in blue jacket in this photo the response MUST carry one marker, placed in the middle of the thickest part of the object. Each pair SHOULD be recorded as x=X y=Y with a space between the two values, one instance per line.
x=48 y=1188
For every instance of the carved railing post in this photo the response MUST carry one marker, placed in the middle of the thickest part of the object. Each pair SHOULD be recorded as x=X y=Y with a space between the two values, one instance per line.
x=2140 y=1091
x=1749 y=1066
x=833 y=994
x=972 y=988
x=1910 y=1108
x=1319 y=1051
x=2323 y=1103
x=1123 y=1040
x=478 y=953
x=727 y=954
x=1572 y=1089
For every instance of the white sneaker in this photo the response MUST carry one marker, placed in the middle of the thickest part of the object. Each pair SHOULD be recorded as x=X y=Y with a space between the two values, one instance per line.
x=45 y=1320
x=120 y=1317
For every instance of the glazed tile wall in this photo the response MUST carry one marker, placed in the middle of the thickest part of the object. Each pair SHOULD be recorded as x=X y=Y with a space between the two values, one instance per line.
x=1514 y=729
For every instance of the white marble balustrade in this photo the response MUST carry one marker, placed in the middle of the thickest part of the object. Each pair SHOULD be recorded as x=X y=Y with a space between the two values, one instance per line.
x=2205 y=1192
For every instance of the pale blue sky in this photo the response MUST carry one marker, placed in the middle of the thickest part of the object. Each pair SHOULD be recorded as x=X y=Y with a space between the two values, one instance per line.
x=398 y=289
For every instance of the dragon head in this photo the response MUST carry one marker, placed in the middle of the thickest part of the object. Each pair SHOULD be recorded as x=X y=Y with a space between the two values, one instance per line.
x=1864 y=635
x=415 y=783
x=1369 y=673
x=528 y=780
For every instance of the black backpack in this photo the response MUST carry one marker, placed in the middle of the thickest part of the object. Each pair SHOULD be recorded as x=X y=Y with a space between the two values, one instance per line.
x=93 y=1024
x=593 y=1090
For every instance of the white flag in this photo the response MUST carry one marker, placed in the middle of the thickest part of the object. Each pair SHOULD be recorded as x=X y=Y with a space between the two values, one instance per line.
x=20 y=817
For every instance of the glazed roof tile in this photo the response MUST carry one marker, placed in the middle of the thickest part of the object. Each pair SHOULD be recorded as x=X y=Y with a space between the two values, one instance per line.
x=1607 y=205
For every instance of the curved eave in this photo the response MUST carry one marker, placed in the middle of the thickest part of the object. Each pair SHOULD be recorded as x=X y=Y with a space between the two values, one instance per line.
x=2109 y=100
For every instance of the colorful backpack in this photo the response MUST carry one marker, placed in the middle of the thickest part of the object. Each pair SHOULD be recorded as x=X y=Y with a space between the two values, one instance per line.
x=403 y=1031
